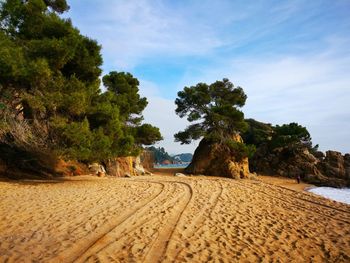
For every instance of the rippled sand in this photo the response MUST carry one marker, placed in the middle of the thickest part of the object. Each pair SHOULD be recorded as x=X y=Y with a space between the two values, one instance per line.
x=169 y=219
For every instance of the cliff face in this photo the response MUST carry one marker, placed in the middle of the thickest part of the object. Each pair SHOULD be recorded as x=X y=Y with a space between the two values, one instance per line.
x=333 y=169
x=336 y=165
x=213 y=159
x=120 y=166
x=147 y=160
x=130 y=165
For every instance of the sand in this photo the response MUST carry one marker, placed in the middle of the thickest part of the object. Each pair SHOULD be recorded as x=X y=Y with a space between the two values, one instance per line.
x=286 y=182
x=169 y=219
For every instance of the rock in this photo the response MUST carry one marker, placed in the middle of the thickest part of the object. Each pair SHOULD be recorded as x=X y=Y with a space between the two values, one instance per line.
x=101 y=174
x=347 y=166
x=319 y=155
x=333 y=165
x=121 y=165
x=147 y=160
x=127 y=175
x=139 y=170
x=322 y=180
x=180 y=175
x=332 y=170
x=239 y=169
x=214 y=159
x=148 y=173
x=253 y=176
x=96 y=168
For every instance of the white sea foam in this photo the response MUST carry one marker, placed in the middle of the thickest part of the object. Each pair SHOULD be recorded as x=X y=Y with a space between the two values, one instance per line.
x=340 y=195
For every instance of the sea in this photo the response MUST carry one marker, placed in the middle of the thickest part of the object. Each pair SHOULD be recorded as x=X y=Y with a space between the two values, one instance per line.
x=167 y=166
x=337 y=194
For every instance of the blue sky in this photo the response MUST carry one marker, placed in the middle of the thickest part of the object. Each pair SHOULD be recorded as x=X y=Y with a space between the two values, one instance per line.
x=292 y=58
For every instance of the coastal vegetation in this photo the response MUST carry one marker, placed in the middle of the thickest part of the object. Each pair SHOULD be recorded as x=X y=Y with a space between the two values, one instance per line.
x=162 y=156
x=55 y=104
x=215 y=113
x=233 y=147
x=52 y=103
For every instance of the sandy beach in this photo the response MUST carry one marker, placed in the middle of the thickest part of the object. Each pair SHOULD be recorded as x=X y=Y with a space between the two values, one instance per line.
x=169 y=219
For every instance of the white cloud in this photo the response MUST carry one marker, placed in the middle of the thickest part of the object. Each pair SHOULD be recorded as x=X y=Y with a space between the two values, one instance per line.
x=313 y=90
x=160 y=112
x=310 y=90
x=131 y=31
x=290 y=58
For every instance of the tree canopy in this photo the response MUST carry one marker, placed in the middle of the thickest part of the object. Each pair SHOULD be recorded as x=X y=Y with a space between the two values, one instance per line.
x=257 y=132
x=49 y=81
x=213 y=109
x=160 y=155
x=291 y=136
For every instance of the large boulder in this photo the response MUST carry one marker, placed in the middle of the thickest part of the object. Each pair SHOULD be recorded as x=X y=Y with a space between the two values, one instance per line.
x=121 y=166
x=97 y=169
x=147 y=160
x=333 y=165
x=331 y=169
x=138 y=167
x=214 y=159
x=347 y=165
x=321 y=180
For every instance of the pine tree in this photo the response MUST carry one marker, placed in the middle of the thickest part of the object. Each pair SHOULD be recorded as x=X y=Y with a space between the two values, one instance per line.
x=49 y=83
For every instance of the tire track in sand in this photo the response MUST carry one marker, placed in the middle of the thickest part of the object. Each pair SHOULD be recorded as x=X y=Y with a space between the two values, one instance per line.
x=124 y=235
x=159 y=247
x=124 y=240
x=314 y=207
x=74 y=253
x=301 y=195
x=198 y=221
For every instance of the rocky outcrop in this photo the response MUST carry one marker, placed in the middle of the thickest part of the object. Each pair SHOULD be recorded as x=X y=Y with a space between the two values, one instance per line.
x=335 y=165
x=97 y=169
x=122 y=166
x=147 y=160
x=119 y=166
x=214 y=159
x=332 y=169
x=347 y=165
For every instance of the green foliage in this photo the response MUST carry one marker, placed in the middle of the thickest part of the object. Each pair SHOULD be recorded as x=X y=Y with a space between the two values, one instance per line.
x=160 y=155
x=240 y=150
x=101 y=144
x=78 y=136
x=49 y=75
x=147 y=134
x=291 y=135
x=213 y=108
x=257 y=132
x=125 y=89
